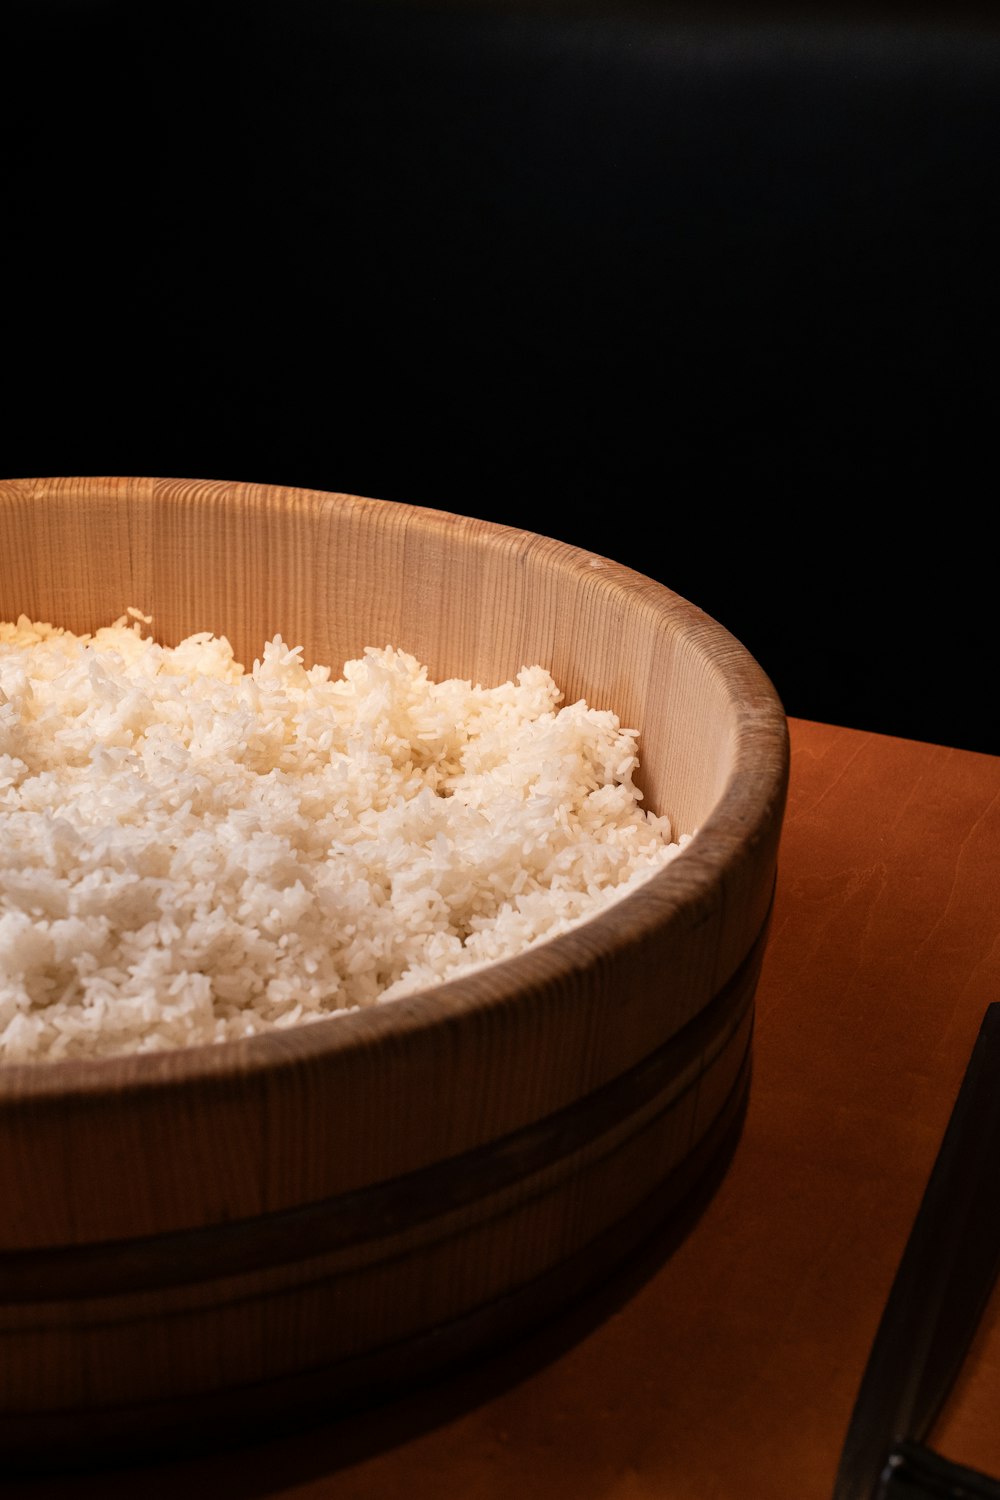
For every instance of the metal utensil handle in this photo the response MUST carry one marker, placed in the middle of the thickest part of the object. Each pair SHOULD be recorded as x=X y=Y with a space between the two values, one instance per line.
x=915 y=1473
x=944 y=1280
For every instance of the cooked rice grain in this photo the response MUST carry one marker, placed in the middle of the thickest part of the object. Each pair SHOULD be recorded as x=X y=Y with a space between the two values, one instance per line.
x=191 y=852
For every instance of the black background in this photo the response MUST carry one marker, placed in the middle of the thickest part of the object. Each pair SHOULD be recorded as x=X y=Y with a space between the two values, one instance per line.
x=712 y=293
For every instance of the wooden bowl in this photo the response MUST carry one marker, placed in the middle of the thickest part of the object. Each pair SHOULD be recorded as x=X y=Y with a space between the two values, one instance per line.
x=201 y=1241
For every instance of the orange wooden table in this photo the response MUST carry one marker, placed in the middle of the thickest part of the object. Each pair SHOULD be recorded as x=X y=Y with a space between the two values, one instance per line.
x=724 y=1365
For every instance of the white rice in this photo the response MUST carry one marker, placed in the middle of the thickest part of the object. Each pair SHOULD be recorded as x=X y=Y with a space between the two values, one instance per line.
x=191 y=852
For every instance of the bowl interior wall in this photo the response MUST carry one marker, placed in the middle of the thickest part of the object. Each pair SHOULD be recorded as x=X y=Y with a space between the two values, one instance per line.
x=336 y=574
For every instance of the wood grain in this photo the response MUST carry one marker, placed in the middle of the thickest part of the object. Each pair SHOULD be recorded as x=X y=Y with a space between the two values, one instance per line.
x=115 y=1170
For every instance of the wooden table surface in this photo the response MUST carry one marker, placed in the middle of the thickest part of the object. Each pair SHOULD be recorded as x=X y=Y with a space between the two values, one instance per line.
x=723 y=1364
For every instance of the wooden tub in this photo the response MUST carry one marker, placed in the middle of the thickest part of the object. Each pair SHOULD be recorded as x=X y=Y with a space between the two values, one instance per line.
x=206 y=1240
